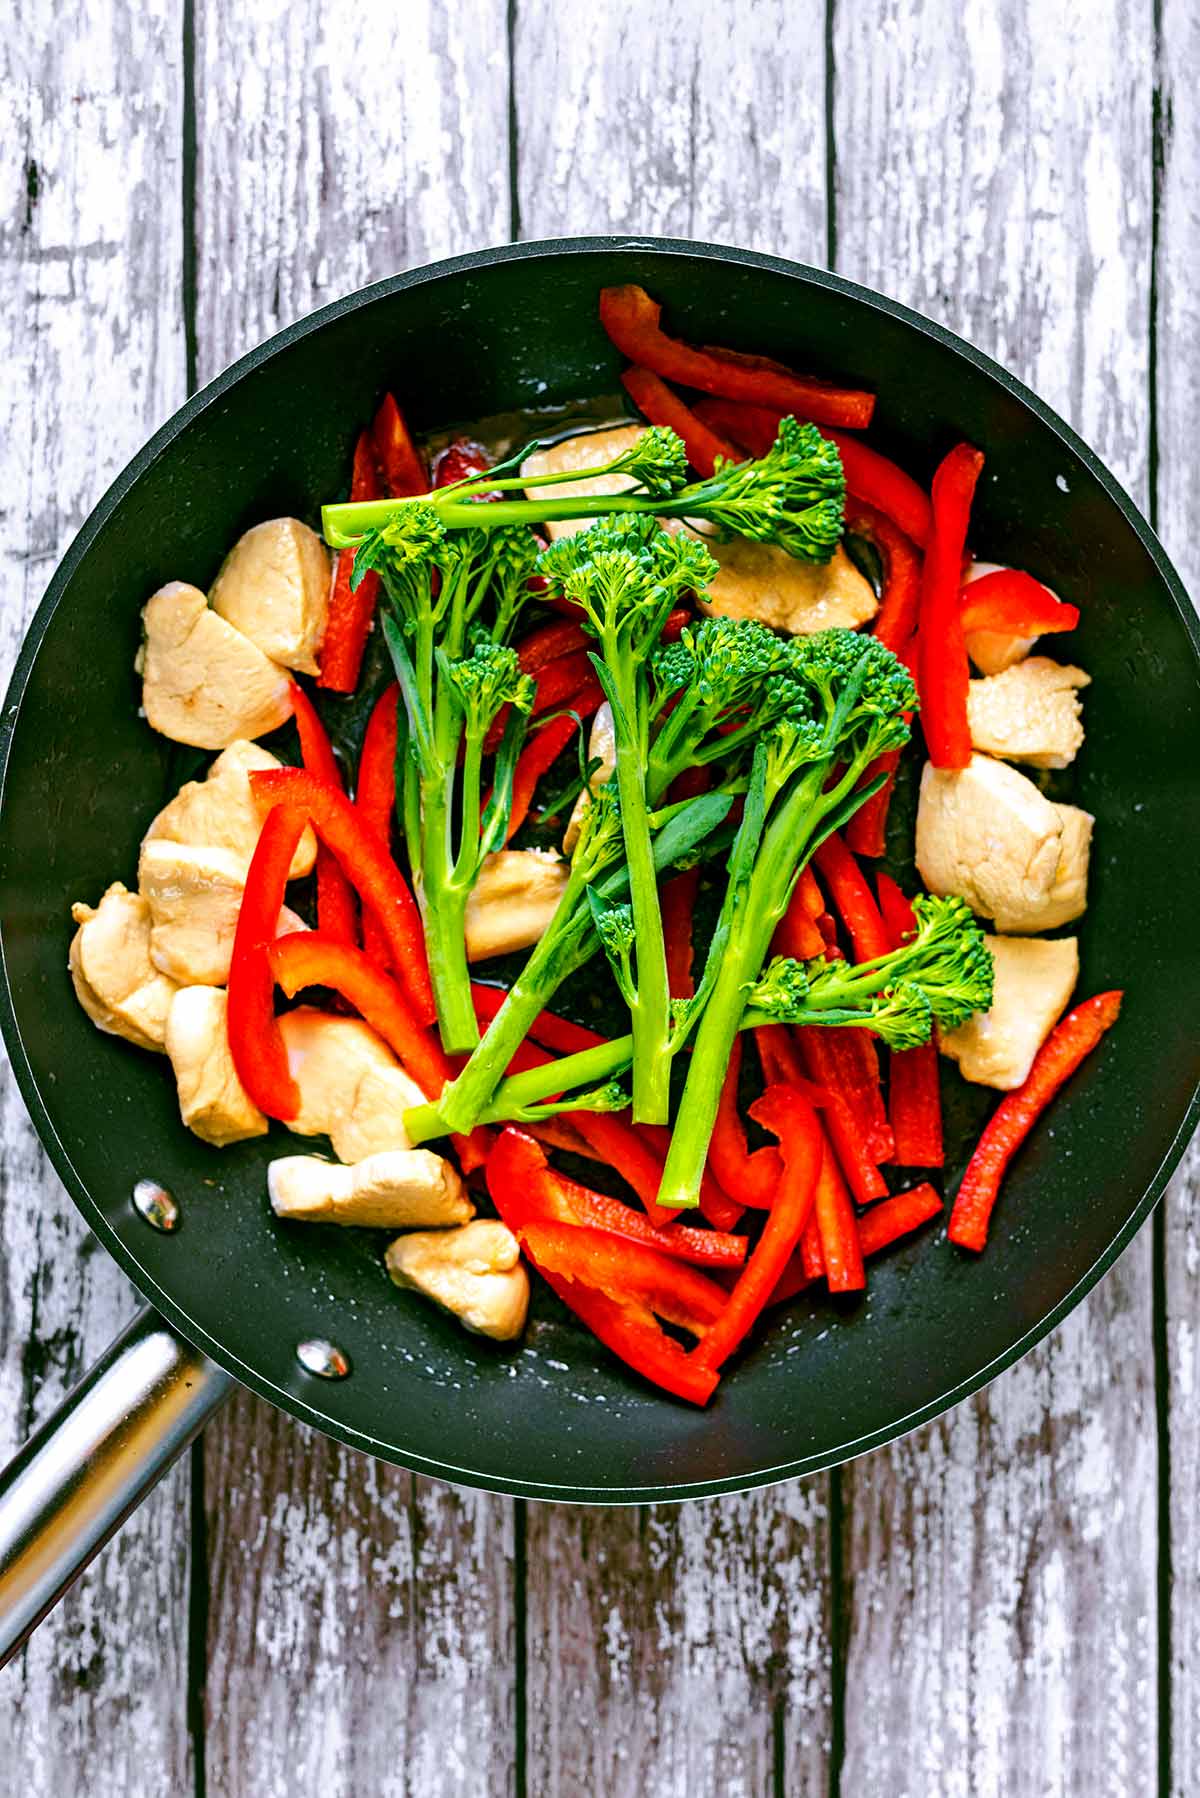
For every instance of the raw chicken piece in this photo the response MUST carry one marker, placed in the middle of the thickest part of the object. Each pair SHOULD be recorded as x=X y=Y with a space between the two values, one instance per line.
x=398 y=1189
x=1035 y=978
x=515 y=897
x=203 y=682
x=219 y=811
x=1029 y=713
x=115 y=981
x=212 y=1100
x=273 y=586
x=760 y=580
x=352 y=1088
x=602 y=747
x=195 y=894
x=474 y=1273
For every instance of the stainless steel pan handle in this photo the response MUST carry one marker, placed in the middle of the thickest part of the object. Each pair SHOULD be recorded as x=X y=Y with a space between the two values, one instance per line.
x=76 y=1481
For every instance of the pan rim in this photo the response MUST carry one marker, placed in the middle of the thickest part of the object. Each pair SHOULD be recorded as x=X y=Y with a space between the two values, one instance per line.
x=447 y=270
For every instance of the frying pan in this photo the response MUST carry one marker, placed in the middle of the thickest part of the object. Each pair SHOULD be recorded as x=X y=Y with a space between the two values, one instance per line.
x=235 y=1296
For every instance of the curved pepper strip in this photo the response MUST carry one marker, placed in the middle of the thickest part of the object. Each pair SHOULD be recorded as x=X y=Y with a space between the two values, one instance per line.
x=1015 y=605
x=335 y=895
x=255 y=1039
x=878 y=483
x=375 y=795
x=543 y=749
x=914 y=1084
x=895 y=622
x=943 y=673
x=798 y=934
x=551 y=1198
x=882 y=1225
x=308 y=958
x=370 y=868
x=562 y=637
x=655 y=401
x=781 y=1063
x=749 y=1179
x=853 y=899
x=631 y=319
x=790 y=1117
x=844 y=1062
x=350 y=610
x=1068 y=1044
x=580 y=1264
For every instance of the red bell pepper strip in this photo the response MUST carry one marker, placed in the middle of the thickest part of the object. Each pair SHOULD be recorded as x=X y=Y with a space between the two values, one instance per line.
x=462 y=460
x=715 y=1204
x=878 y=483
x=790 y=1117
x=1015 y=605
x=943 y=673
x=811 y=1256
x=853 y=899
x=626 y=1150
x=557 y=683
x=563 y=636
x=553 y=1032
x=840 y=1248
x=314 y=959
x=655 y=401
x=877 y=1229
x=336 y=912
x=403 y=471
x=370 y=868
x=557 y=1135
x=798 y=933
x=631 y=319
x=855 y=1117
x=782 y=1063
x=350 y=613
x=677 y=902
x=866 y=832
x=1068 y=1044
x=551 y=1198
x=914 y=1084
x=749 y=1179
x=255 y=1039
x=579 y=1264
x=540 y=753
x=375 y=796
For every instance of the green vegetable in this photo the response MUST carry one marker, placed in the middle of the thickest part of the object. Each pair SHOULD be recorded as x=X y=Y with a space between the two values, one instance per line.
x=456 y=674
x=850 y=698
x=792 y=496
x=944 y=974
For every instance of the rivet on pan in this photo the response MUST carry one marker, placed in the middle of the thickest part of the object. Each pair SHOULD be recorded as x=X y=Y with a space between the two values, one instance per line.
x=156 y=1205
x=325 y=1359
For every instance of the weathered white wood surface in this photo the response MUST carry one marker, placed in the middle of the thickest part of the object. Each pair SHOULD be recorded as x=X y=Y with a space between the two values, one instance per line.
x=1178 y=511
x=999 y=1570
x=361 y=1627
x=91 y=361
x=696 y=1644
x=994 y=170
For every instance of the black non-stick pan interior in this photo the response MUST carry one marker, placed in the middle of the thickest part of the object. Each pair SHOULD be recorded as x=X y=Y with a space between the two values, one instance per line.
x=555 y=1416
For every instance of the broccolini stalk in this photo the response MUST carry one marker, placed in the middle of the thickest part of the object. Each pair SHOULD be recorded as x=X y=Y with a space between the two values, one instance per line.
x=437 y=590
x=802 y=787
x=943 y=975
x=570 y=940
x=625 y=575
x=792 y=496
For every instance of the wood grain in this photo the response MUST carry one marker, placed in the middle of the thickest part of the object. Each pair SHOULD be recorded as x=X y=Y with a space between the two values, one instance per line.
x=1178 y=505
x=677 y=1650
x=92 y=353
x=994 y=169
x=361 y=1624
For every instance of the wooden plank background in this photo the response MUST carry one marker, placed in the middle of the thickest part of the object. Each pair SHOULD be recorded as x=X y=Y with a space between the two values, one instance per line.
x=1008 y=1602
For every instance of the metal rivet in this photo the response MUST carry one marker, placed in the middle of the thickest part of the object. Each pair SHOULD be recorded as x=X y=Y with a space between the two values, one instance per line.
x=156 y=1205
x=325 y=1359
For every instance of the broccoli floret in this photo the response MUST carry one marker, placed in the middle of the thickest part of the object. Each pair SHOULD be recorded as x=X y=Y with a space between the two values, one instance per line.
x=489 y=678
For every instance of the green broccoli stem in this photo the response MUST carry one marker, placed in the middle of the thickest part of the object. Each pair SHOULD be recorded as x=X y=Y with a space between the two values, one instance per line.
x=514 y=1095
x=650 y=1007
x=442 y=888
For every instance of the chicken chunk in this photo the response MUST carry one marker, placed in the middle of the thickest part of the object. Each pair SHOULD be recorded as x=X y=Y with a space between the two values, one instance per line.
x=398 y=1189
x=1029 y=713
x=273 y=586
x=219 y=811
x=352 y=1088
x=203 y=682
x=602 y=748
x=584 y=451
x=114 y=978
x=986 y=833
x=195 y=893
x=515 y=897
x=212 y=1100
x=993 y=651
x=760 y=580
x=474 y=1273
x=1035 y=978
